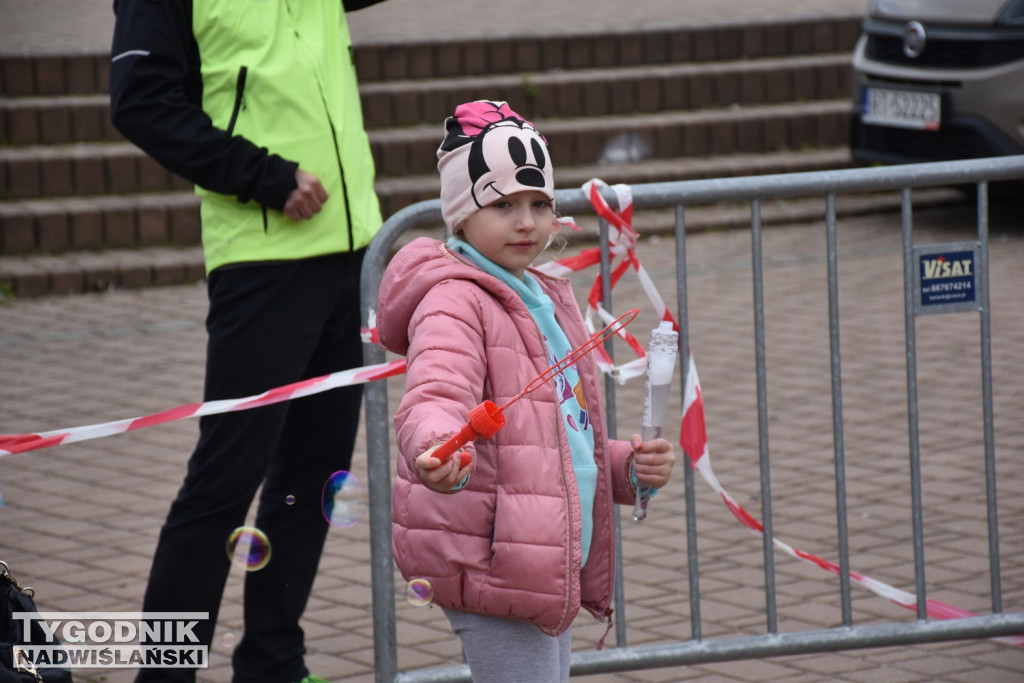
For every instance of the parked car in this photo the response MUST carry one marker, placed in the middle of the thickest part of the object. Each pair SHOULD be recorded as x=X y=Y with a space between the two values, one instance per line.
x=935 y=80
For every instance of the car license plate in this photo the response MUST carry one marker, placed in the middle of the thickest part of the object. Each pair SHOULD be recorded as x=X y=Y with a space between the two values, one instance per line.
x=901 y=108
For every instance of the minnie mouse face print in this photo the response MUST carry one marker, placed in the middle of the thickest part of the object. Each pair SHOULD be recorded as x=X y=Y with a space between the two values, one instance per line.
x=508 y=157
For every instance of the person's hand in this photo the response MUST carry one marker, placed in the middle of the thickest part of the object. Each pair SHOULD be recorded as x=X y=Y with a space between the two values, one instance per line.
x=438 y=476
x=652 y=461
x=308 y=197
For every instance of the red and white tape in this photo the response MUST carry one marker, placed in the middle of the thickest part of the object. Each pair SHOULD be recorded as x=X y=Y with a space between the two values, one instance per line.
x=21 y=443
x=622 y=240
x=693 y=439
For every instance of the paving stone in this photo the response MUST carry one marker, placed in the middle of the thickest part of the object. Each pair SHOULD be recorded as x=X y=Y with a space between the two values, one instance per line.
x=91 y=357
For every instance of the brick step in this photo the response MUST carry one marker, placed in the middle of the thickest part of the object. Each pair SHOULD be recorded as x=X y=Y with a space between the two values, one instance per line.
x=49 y=74
x=56 y=120
x=39 y=171
x=661 y=135
x=445 y=58
x=614 y=91
x=88 y=168
x=82 y=74
x=118 y=221
x=99 y=271
x=64 y=119
x=99 y=222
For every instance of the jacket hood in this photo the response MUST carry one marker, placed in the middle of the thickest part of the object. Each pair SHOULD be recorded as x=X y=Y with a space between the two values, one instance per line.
x=414 y=270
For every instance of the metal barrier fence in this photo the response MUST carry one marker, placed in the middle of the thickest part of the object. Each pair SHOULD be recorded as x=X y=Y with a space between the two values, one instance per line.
x=753 y=190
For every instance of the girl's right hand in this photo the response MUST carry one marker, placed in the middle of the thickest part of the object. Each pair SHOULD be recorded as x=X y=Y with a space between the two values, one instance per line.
x=442 y=477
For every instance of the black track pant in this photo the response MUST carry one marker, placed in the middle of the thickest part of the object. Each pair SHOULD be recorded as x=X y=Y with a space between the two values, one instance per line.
x=268 y=325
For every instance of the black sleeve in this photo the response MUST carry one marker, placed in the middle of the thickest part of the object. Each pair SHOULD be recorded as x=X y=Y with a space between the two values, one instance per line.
x=156 y=103
x=353 y=5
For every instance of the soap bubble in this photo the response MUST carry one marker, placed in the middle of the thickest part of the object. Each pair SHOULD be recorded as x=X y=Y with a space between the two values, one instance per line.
x=419 y=593
x=343 y=500
x=228 y=641
x=249 y=548
x=289 y=500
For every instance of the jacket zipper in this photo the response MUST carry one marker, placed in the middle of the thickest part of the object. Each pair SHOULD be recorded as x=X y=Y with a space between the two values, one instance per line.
x=337 y=151
x=239 y=97
x=344 y=185
x=239 y=91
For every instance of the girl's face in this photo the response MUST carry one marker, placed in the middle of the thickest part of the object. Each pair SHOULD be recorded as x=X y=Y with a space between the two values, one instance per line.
x=512 y=231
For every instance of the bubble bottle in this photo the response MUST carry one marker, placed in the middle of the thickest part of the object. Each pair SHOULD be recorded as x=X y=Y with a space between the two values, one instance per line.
x=661 y=363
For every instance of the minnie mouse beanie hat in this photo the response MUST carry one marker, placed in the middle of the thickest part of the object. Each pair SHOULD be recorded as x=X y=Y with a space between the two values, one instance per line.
x=488 y=152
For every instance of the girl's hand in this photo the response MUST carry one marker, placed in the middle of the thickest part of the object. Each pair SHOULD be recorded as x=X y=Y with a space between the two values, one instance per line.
x=652 y=460
x=438 y=476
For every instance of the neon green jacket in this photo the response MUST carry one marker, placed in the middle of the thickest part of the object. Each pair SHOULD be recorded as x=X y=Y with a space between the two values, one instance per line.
x=234 y=96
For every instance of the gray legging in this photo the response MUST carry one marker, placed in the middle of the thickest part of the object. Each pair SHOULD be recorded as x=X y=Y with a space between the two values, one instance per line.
x=510 y=651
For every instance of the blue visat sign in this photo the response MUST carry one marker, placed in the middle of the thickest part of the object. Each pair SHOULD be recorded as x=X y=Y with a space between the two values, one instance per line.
x=947 y=278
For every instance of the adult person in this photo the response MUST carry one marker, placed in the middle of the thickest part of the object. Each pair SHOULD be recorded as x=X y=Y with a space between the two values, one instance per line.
x=257 y=104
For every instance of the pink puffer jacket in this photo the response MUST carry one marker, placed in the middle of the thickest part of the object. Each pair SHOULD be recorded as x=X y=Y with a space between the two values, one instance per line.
x=508 y=544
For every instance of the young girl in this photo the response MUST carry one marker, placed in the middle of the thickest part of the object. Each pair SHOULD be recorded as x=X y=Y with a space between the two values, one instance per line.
x=515 y=542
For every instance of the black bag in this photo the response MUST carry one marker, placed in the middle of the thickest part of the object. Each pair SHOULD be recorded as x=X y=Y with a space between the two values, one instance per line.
x=14 y=598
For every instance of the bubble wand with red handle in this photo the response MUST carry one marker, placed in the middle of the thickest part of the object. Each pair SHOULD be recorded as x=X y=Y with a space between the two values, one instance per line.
x=487 y=418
